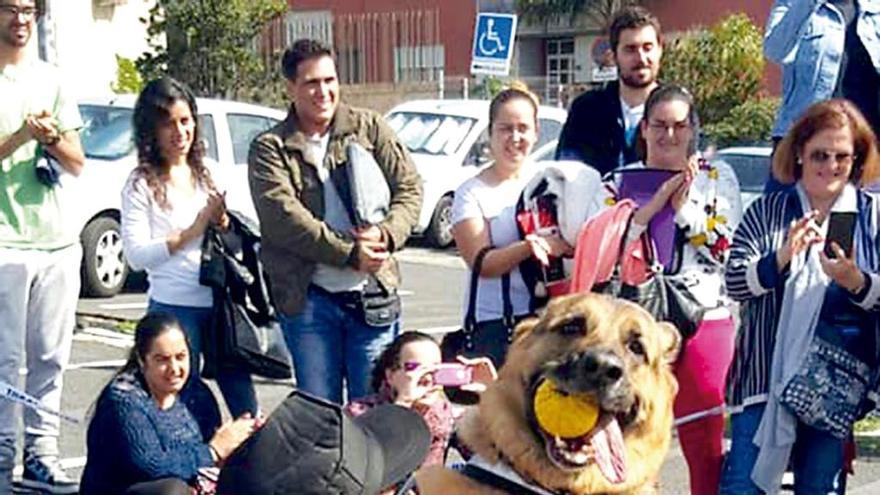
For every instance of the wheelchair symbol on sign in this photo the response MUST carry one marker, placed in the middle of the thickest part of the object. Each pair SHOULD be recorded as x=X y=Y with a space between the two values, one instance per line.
x=490 y=36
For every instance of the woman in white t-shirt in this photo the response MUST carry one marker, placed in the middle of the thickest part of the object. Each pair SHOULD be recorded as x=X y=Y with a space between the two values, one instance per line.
x=168 y=202
x=484 y=216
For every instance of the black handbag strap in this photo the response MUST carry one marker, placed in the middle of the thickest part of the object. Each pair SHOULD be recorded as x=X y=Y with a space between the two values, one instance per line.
x=470 y=319
x=647 y=248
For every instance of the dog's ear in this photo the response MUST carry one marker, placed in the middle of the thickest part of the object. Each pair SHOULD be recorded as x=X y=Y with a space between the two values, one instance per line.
x=525 y=327
x=670 y=341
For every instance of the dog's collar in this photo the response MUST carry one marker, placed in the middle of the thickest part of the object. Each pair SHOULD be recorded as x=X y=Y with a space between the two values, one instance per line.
x=501 y=476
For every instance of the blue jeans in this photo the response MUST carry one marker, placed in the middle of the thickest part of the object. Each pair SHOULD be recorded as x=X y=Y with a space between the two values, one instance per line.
x=817 y=457
x=236 y=386
x=329 y=343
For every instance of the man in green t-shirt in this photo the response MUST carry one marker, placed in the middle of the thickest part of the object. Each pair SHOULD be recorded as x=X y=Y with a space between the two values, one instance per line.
x=39 y=251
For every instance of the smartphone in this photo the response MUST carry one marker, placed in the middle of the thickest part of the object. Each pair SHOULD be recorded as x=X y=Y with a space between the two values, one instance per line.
x=841 y=225
x=453 y=375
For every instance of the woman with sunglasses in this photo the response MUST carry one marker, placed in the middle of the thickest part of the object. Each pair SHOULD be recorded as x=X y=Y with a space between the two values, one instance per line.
x=791 y=291
x=703 y=198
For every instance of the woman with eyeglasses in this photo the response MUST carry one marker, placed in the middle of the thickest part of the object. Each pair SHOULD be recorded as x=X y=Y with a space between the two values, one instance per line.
x=795 y=284
x=703 y=199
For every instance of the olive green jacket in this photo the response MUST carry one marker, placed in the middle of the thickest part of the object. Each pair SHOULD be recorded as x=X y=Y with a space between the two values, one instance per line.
x=289 y=199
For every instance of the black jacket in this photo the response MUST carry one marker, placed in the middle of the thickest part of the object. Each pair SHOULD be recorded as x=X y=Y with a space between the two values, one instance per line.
x=245 y=334
x=593 y=132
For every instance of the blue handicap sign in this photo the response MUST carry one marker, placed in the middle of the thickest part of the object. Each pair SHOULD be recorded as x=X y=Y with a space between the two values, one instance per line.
x=493 y=36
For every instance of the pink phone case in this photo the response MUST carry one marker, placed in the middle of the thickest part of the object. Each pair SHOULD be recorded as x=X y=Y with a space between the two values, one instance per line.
x=453 y=375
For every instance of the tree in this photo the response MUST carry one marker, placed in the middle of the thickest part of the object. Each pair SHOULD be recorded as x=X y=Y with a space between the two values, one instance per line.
x=208 y=44
x=598 y=12
x=723 y=67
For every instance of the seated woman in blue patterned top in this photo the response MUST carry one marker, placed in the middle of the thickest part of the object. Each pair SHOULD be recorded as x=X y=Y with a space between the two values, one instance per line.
x=142 y=439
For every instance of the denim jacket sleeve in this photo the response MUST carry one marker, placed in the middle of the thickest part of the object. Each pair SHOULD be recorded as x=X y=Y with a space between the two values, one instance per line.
x=785 y=26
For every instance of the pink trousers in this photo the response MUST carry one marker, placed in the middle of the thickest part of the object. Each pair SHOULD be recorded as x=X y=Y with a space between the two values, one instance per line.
x=701 y=371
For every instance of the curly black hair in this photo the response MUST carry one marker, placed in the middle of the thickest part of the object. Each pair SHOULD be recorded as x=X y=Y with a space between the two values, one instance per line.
x=390 y=357
x=150 y=111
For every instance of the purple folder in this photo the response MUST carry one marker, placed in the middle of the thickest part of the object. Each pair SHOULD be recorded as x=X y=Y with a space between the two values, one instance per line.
x=640 y=184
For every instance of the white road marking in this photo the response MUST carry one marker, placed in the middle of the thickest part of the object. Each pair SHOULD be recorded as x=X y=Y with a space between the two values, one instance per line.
x=106 y=337
x=405 y=293
x=109 y=363
x=103 y=332
x=432 y=258
x=122 y=306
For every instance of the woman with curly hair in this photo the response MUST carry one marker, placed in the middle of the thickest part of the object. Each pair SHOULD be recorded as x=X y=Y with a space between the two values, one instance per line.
x=168 y=203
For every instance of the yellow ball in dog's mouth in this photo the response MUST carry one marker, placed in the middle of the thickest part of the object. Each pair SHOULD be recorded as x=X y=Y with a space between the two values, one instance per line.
x=564 y=415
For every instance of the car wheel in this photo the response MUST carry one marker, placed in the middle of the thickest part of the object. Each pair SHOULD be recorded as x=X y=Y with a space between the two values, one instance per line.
x=440 y=230
x=103 y=269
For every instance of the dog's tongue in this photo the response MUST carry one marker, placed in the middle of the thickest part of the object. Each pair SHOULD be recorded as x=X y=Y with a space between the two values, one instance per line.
x=609 y=451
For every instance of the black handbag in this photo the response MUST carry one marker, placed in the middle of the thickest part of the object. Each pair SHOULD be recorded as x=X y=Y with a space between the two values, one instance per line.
x=246 y=334
x=486 y=338
x=664 y=296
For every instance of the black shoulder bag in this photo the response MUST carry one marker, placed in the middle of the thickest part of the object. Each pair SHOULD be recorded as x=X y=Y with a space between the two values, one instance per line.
x=666 y=297
x=486 y=338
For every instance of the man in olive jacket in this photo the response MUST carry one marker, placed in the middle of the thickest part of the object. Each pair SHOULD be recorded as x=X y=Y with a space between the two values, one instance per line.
x=322 y=268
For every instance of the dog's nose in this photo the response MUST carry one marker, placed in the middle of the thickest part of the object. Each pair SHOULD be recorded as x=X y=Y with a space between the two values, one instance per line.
x=602 y=367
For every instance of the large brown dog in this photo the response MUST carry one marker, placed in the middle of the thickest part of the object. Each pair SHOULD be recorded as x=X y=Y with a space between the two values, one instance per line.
x=585 y=345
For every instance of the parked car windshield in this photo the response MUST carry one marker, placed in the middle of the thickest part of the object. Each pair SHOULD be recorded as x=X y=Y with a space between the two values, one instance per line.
x=751 y=170
x=431 y=133
x=106 y=134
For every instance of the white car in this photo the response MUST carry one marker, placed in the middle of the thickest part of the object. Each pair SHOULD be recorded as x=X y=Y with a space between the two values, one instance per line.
x=227 y=129
x=449 y=143
x=752 y=167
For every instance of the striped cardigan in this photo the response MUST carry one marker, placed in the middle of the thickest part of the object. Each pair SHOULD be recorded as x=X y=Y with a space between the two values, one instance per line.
x=753 y=280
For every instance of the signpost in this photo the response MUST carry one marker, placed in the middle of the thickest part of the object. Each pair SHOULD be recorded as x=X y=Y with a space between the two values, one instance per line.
x=494 y=35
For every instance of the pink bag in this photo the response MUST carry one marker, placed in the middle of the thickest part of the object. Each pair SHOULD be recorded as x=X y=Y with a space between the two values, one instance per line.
x=597 y=248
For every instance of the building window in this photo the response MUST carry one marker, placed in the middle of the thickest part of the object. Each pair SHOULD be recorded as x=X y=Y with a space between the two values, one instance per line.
x=316 y=25
x=418 y=63
x=560 y=61
x=349 y=65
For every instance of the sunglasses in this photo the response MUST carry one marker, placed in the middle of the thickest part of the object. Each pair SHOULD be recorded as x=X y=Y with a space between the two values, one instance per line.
x=822 y=156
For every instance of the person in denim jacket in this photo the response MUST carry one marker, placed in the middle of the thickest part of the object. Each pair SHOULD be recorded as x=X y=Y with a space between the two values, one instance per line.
x=826 y=49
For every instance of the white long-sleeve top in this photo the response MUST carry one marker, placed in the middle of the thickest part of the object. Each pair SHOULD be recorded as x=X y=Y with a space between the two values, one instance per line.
x=173 y=277
x=708 y=218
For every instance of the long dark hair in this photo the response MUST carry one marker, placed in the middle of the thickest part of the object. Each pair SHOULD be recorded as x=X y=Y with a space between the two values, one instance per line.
x=149 y=328
x=390 y=357
x=151 y=111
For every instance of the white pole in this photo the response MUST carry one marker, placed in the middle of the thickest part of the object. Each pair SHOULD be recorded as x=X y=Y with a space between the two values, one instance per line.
x=441 y=84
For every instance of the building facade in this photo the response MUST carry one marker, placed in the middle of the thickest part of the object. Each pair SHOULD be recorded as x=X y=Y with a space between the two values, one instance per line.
x=398 y=41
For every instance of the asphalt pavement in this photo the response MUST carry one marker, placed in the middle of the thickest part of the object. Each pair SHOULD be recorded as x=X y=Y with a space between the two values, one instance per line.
x=432 y=295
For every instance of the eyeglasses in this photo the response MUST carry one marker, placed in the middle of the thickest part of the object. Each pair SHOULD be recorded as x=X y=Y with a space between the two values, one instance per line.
x=28 y=13
x=822 y=156
x=664 y=128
